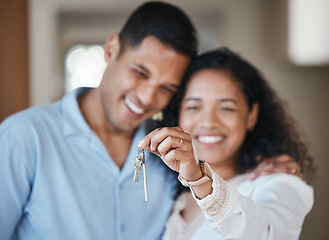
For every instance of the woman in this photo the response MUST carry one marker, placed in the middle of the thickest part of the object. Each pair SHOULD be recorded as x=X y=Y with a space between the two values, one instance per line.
x=235 y=121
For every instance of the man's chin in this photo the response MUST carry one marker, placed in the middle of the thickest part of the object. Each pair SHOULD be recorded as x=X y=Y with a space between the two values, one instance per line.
x=128 y=126
x=127 y=123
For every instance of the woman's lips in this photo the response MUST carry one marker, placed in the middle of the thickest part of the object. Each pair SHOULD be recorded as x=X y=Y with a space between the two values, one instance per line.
x=210 y=139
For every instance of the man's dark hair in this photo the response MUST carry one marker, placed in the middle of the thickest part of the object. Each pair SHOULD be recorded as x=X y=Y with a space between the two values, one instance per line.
x=167 y=23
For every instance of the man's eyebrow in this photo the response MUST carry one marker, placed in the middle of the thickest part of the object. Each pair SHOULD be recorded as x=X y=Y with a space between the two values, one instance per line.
x=142 y=67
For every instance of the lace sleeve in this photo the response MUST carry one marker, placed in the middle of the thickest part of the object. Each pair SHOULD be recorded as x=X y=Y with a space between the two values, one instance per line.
x=215 y=203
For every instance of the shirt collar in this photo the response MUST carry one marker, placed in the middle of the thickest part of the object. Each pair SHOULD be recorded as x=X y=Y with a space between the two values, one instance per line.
x=74 y=124
x=72 y=120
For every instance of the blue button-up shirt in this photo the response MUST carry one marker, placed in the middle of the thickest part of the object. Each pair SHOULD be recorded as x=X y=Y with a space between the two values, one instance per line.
x=57 y=181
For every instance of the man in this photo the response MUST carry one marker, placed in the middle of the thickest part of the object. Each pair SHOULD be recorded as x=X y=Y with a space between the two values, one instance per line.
x=67 y=168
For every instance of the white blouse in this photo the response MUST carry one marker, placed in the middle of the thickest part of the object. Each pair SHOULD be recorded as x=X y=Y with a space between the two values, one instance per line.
x=269 y=207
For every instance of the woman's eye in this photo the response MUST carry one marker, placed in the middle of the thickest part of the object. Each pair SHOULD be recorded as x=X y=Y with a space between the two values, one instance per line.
x=191 y=108
x=227 y=109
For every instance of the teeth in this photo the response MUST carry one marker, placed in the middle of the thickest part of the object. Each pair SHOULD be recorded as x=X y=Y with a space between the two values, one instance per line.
x=210 y=139
x=133 y=107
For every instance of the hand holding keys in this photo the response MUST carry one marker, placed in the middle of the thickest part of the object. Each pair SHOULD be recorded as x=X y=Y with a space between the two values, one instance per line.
x=139 y=162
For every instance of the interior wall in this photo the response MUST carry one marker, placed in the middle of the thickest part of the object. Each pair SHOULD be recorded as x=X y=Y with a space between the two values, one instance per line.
x=58 y=25
x=93 y=27
x=256 y=29
x=14 y=82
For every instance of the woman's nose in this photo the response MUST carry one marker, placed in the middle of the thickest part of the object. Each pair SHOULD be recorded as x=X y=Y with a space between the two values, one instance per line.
x=210 y=119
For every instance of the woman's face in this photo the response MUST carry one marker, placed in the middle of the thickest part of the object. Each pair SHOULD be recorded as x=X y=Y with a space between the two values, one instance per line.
x=215 y=113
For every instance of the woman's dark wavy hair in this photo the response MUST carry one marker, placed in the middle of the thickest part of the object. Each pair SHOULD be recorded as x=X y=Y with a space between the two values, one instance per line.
x=276 y=131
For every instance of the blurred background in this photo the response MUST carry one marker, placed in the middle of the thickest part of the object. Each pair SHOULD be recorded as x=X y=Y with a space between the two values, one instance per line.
x=47 y=48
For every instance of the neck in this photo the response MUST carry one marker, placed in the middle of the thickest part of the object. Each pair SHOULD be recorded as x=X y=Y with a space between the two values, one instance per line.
x=116 y=142
x=93 y=111
x=226 y=171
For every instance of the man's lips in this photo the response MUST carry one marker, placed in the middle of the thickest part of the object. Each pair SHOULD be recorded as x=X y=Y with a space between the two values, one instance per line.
x=209 y=139
x=135 y=109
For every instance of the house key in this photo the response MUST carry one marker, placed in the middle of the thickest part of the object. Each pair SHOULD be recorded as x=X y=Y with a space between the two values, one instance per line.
x=139 y=162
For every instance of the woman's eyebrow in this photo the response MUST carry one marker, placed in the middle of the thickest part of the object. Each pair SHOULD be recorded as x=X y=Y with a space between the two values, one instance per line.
x=227 y=100
x=192 y=99
x=219 y=100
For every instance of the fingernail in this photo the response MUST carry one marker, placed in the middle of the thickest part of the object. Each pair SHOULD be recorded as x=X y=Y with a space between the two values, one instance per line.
x=152 y=147
x=140 y=143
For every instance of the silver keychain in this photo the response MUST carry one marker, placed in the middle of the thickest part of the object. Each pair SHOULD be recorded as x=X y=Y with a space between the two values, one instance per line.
x=139 y=163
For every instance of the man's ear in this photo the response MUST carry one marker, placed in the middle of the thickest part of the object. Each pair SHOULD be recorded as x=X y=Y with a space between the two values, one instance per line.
x=253 y=117
x=112 y=47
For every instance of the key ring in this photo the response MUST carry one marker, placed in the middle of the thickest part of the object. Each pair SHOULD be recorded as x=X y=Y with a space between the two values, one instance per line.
x=141 y=155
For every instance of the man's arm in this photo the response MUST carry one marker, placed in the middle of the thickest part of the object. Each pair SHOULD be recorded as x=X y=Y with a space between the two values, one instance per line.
x=16 y=173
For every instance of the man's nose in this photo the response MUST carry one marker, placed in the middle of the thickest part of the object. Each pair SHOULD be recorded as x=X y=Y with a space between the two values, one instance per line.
x=147 y=94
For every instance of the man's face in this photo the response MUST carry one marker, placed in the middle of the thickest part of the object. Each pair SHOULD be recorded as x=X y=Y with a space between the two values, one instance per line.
x=140 y=82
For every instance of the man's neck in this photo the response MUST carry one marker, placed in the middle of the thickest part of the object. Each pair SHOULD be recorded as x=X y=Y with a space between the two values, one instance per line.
x=116 y=142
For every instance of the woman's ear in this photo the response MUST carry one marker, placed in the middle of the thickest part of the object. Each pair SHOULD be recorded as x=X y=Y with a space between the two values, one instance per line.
x=253 y=117
x=112 y=47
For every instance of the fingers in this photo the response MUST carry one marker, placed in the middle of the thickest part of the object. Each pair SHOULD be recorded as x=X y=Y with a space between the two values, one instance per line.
x=179 y=160
x=283 y=158
x=283 y=169
x=262 y=167
x=145 y=142
x=162 y=140
x=175 y=148
x=170 y=143
x=279 y=164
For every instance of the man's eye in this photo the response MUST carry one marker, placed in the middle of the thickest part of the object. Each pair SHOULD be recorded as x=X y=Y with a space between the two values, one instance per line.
x=167 y=89
x=140 y=74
